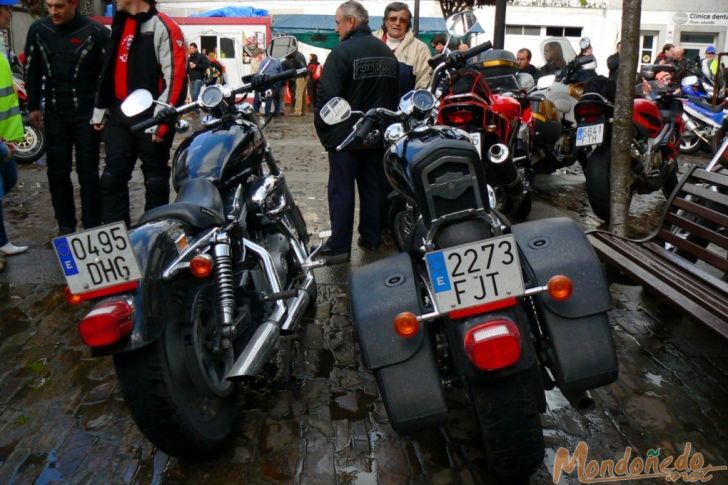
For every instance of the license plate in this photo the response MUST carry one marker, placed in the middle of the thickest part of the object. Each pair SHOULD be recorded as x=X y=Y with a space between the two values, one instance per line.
x=589 y=135
x=98 y=258
x=476 y=273
x=477 y=140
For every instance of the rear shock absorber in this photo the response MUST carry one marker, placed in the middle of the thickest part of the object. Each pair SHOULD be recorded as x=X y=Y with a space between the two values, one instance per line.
x=224 y=278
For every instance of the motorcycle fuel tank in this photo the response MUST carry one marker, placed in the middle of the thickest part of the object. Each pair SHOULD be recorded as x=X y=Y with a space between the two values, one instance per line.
x=398 y=158
x=218 y=154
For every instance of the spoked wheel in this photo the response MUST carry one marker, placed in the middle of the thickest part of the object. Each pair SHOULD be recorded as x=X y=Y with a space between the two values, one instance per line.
x=32 y=146
x=508 y=414
x=175 y=388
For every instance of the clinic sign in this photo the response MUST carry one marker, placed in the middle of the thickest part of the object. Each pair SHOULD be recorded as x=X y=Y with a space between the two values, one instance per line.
x=700 y=18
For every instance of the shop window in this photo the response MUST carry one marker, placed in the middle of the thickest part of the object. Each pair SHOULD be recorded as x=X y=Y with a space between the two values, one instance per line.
x=697 y=38
x=523 y=30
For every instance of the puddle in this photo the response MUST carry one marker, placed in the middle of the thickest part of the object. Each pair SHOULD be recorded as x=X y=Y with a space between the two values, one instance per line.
x=341 y=407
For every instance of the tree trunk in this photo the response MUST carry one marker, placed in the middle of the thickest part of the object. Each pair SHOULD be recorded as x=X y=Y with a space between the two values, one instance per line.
x=621 y=170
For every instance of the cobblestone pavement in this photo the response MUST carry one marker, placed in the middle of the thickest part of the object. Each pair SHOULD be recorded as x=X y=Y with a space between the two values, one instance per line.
x=314 y=416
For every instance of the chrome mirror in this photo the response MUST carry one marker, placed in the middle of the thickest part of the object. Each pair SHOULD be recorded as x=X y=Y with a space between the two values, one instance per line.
x=461 y=23
x=137 y=102
x=335 y=111
x=282 y=46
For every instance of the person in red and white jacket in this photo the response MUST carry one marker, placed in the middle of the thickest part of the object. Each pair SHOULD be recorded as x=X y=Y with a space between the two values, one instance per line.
x=146 y=50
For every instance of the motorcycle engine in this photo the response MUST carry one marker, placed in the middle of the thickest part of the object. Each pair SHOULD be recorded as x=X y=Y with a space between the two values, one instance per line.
x=278 y=246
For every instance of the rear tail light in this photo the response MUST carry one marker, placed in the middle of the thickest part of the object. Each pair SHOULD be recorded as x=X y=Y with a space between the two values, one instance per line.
x=107 y=323
x=457 y=117
x=588 y=111
x=493 y=345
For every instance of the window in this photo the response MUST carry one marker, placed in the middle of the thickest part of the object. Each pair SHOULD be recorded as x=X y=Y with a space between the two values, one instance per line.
x=554 y=31
x=648 y=46
x=523 y=30
x=697 y=38
x=227 y=48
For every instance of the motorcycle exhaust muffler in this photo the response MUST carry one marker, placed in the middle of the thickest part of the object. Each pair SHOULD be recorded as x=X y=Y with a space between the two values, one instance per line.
x=502 y=172
x=256 y=353
x=581 y=401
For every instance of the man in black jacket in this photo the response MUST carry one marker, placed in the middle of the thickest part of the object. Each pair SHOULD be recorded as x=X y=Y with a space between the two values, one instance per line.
x=197 y=65
x=362 y=70
x=64 y=53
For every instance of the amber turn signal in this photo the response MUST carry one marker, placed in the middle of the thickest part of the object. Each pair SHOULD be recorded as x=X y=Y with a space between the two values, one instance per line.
x=406 y=324
x=71 y=298
x=201 y=265
x=560 y=287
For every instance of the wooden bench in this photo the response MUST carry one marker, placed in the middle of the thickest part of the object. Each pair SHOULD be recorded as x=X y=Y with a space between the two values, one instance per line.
x=684 y=259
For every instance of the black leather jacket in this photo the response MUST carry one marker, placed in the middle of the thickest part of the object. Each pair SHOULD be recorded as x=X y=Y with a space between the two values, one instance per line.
x=63 y=63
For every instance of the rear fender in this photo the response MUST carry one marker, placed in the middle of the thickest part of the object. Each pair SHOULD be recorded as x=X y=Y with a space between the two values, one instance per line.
x=154 y=246
x=578 y=342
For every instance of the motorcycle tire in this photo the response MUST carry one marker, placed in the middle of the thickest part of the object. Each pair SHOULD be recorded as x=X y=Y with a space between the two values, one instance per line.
x=524 y=209
x=397 y=222
x=174 y=389
x=690 y=143
x=508 y=415
x=597 y=182
x=32 y=147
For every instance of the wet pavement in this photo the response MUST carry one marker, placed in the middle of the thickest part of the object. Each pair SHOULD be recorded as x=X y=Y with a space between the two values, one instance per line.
x=314 y=416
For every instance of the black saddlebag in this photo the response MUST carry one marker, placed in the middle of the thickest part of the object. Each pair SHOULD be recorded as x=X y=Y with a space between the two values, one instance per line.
x=580 y=351
x=406 y=369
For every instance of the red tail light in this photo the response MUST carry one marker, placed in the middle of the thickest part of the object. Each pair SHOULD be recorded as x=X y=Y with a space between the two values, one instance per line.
x=458 y=117
x=588 y=111
x=107 y=323
x=493 y=345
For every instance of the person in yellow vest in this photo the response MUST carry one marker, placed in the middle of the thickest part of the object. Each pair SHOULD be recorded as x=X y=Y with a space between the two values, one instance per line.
x=11 y=130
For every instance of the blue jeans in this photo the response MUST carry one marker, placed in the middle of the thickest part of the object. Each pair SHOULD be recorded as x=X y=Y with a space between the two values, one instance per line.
x=8 y=179
x=195 y=87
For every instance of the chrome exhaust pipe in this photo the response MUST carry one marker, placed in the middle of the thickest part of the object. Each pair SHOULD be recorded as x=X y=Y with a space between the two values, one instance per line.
x=582 y=401
x=297 y=305
x=256 y=353
x=502 y=172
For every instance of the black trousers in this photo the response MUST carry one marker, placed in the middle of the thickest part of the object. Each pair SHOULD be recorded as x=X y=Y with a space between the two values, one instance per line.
x=64 y=133
x=122 y=150
x=363 y=168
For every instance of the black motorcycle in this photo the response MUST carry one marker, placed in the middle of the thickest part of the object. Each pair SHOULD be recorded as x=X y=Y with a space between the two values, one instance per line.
x=504 y=311
x=196 y=296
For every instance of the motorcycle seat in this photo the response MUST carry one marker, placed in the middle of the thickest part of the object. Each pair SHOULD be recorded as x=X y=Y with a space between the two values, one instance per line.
x=705 y=105
x=198 y=204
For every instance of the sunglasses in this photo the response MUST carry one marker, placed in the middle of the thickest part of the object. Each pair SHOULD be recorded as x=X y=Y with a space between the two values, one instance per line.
x=394 y=20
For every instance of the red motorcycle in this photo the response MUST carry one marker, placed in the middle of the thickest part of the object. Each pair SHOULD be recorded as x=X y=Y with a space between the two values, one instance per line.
x=480 y=98
x=654 y=150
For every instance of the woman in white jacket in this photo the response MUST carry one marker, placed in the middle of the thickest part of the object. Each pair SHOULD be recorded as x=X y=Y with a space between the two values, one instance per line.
x=411 y=53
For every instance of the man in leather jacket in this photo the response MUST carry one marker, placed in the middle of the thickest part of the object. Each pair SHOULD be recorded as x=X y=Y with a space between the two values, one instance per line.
x=64 y=52
x=147 y=51
x=197 y=65
x=362 y=70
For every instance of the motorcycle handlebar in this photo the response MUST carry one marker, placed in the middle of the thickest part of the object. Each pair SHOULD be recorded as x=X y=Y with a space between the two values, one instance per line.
x=361 y=129
x=161 y=117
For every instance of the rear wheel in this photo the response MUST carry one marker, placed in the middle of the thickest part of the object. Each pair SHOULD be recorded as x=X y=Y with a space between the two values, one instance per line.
x=175 y=388
x=510 y=425
x=689 y=143
x=597 y=182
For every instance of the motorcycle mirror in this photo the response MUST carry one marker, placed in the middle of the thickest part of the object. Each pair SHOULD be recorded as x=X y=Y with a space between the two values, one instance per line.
x=461 y=23
x=335 y=111
x=525 y=81
x=689 y=80
x=546 y=81
x=282 y=46
x=136 y=102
